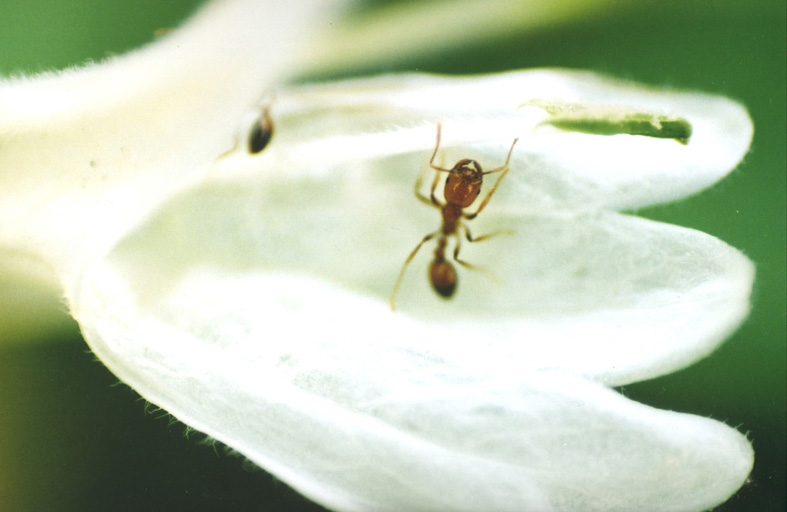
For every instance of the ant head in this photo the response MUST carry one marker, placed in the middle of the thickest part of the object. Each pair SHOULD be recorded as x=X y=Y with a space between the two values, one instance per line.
x=442 y=275
x=464 y=183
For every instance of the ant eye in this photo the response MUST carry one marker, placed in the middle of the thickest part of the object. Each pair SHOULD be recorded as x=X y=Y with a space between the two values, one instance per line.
x=261 y=133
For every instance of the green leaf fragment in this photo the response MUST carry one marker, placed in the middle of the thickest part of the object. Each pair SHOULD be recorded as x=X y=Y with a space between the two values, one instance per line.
x=636 y=124
x=604 y=121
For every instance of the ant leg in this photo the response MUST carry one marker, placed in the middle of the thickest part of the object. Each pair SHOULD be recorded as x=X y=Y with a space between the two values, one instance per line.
x=436 y=147
x=471 y=216
x=418 y=184
x=504 y=169
x=487 y=236
x=470 y=266
x=432 y=197
x=404 y=267
x=235 y=144
x=508 y=159
x=431 y=200
x=456 y=256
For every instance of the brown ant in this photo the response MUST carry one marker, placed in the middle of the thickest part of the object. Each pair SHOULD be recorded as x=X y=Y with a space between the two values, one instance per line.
x=462 y=187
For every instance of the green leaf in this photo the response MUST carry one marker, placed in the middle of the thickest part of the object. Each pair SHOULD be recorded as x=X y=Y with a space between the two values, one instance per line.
x=606 y=121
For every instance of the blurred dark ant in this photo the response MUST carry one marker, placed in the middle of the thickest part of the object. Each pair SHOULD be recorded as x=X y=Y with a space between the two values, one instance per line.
x=262 y=131
x=462 y=187
x=260 y=134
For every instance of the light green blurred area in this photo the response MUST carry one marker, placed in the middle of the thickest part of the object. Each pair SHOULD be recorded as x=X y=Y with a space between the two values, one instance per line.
x=70 y=441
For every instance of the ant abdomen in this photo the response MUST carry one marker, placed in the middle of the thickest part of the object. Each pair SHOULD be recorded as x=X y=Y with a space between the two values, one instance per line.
x=261 y=133
x=442 y=275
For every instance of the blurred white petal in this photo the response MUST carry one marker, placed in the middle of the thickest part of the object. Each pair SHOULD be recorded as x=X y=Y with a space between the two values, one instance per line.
x=86 y=152
x=119 y=137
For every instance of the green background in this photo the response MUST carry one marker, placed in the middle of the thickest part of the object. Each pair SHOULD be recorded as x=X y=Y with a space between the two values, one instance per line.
x=73 y=440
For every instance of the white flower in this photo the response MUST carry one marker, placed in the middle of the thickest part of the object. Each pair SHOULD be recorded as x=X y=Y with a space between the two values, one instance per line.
x=248 y=294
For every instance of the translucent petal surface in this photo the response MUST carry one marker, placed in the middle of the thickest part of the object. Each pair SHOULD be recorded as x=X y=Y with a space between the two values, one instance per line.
x=85 y=152
x=607 y=296
x=390 y=422
x=551 y=168
x=256 y=311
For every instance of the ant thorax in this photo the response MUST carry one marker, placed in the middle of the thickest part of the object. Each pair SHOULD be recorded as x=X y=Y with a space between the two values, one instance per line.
x=452 y=214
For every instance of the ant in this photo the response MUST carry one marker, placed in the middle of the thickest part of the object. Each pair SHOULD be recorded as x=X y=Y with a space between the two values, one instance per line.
x=462 y=186
x=262 y=131
x=260 y=134
x=259 y=137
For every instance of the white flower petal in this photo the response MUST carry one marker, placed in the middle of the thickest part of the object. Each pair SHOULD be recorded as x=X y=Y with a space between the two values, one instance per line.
x=255 y=311
x=376 y=423
x=86 y=152
x=607 y=296
x=551 y=168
